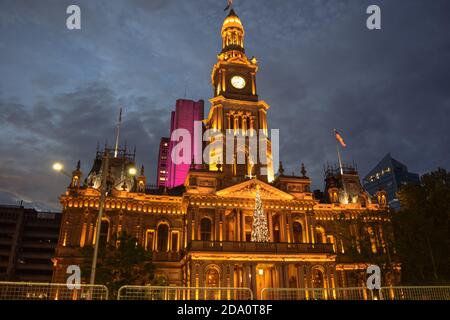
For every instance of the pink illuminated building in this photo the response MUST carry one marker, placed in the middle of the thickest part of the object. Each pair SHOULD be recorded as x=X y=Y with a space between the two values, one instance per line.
x=163 y=157
x=185 y=114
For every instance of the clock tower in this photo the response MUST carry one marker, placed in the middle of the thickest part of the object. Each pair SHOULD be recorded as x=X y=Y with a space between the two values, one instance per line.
x=237 y=109
x=234 y=75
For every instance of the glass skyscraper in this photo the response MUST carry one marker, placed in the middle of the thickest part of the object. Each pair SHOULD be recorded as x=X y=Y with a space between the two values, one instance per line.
x=390 y=175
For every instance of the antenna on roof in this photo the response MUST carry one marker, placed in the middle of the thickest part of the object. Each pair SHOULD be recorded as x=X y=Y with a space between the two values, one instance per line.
x=118 y=133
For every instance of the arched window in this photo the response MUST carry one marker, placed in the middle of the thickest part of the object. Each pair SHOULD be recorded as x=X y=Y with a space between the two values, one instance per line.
x=104 y=232
x=276 y=229
x=320 y=235
x=212 y=278
x=205 y=229
x=298 y=232
x=163 y=237
x=212 y=281
x=373 y=241
x=317 y=278
x=149 y=240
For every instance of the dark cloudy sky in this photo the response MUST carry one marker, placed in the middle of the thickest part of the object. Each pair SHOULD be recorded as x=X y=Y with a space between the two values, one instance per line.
x=320 y=68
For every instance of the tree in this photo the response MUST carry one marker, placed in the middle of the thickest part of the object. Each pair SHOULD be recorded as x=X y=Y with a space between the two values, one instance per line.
x=421 y=229
x=260 y=232
x=121 y=262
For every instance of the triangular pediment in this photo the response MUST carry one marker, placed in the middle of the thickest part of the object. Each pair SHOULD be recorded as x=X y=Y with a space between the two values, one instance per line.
x=247 y=190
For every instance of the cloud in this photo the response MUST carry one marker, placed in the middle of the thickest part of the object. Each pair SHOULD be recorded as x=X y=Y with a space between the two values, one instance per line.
x=67 y=128
x=320 y=69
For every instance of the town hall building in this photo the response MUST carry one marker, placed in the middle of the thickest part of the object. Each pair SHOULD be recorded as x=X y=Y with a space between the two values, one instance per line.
x=200 y=234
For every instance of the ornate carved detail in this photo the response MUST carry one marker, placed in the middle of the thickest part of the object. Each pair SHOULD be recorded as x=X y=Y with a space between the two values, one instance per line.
x=248 y=190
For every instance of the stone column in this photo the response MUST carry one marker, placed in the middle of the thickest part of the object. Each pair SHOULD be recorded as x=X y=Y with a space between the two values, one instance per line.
x=224 y=227
x=307 y=229
x=253 y=83
x=197 y=224
x=343 y=279
x=188 y=227
x=193 y=273
x=224 y=83
x=253 y=279
x=236 y=226
x=285 y=269
x=245 y=276
x=278 y=279
x=283 y=227
x=242 y=225
x=223 y=276
x=270 y=225
x=333 y=276
x=308 y=281
x=216 y=236
x=169 y=241
x=300 y=276
x=311 y=227
x=328 y=275
x=201 y=276
x=290 y=228
x=231 y=268
x=271 y=274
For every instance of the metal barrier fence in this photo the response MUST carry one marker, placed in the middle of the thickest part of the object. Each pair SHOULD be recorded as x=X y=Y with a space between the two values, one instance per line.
x=385 y=293
x=183 y=293
x=50 y=291
x=415 y=293
x=316 y=294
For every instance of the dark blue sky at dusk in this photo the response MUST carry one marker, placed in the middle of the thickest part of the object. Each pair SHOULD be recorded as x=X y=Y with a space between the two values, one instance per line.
x=320 y=68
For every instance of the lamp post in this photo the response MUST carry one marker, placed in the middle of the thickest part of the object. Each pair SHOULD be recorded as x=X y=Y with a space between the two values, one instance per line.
x=105 y=165
x=57 y=166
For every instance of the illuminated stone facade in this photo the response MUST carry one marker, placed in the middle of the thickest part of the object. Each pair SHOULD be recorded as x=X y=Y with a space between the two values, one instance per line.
x=200 y=234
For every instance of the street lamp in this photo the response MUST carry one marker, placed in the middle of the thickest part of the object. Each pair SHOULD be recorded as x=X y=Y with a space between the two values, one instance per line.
x=105 y=166
x=132 y=171
x=57 y=166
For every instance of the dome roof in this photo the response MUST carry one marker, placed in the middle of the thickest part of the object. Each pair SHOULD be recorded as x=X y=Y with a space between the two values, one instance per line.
x=232 y=21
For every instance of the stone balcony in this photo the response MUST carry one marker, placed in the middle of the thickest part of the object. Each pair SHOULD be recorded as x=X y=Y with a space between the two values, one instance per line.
x=260 y=247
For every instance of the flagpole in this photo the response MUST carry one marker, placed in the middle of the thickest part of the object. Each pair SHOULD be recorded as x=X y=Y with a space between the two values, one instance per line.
x=119 y=122
x=338 y=153
x=340 y=159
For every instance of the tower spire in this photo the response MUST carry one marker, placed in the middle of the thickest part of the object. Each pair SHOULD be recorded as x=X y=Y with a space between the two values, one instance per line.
x=229 y=5
x=119 y=122
x=233 y=34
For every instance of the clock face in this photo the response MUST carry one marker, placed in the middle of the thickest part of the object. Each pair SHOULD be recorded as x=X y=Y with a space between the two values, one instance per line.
x=238 y=82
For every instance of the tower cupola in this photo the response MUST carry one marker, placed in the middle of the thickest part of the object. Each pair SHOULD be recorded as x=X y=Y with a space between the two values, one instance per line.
x=232 y=36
